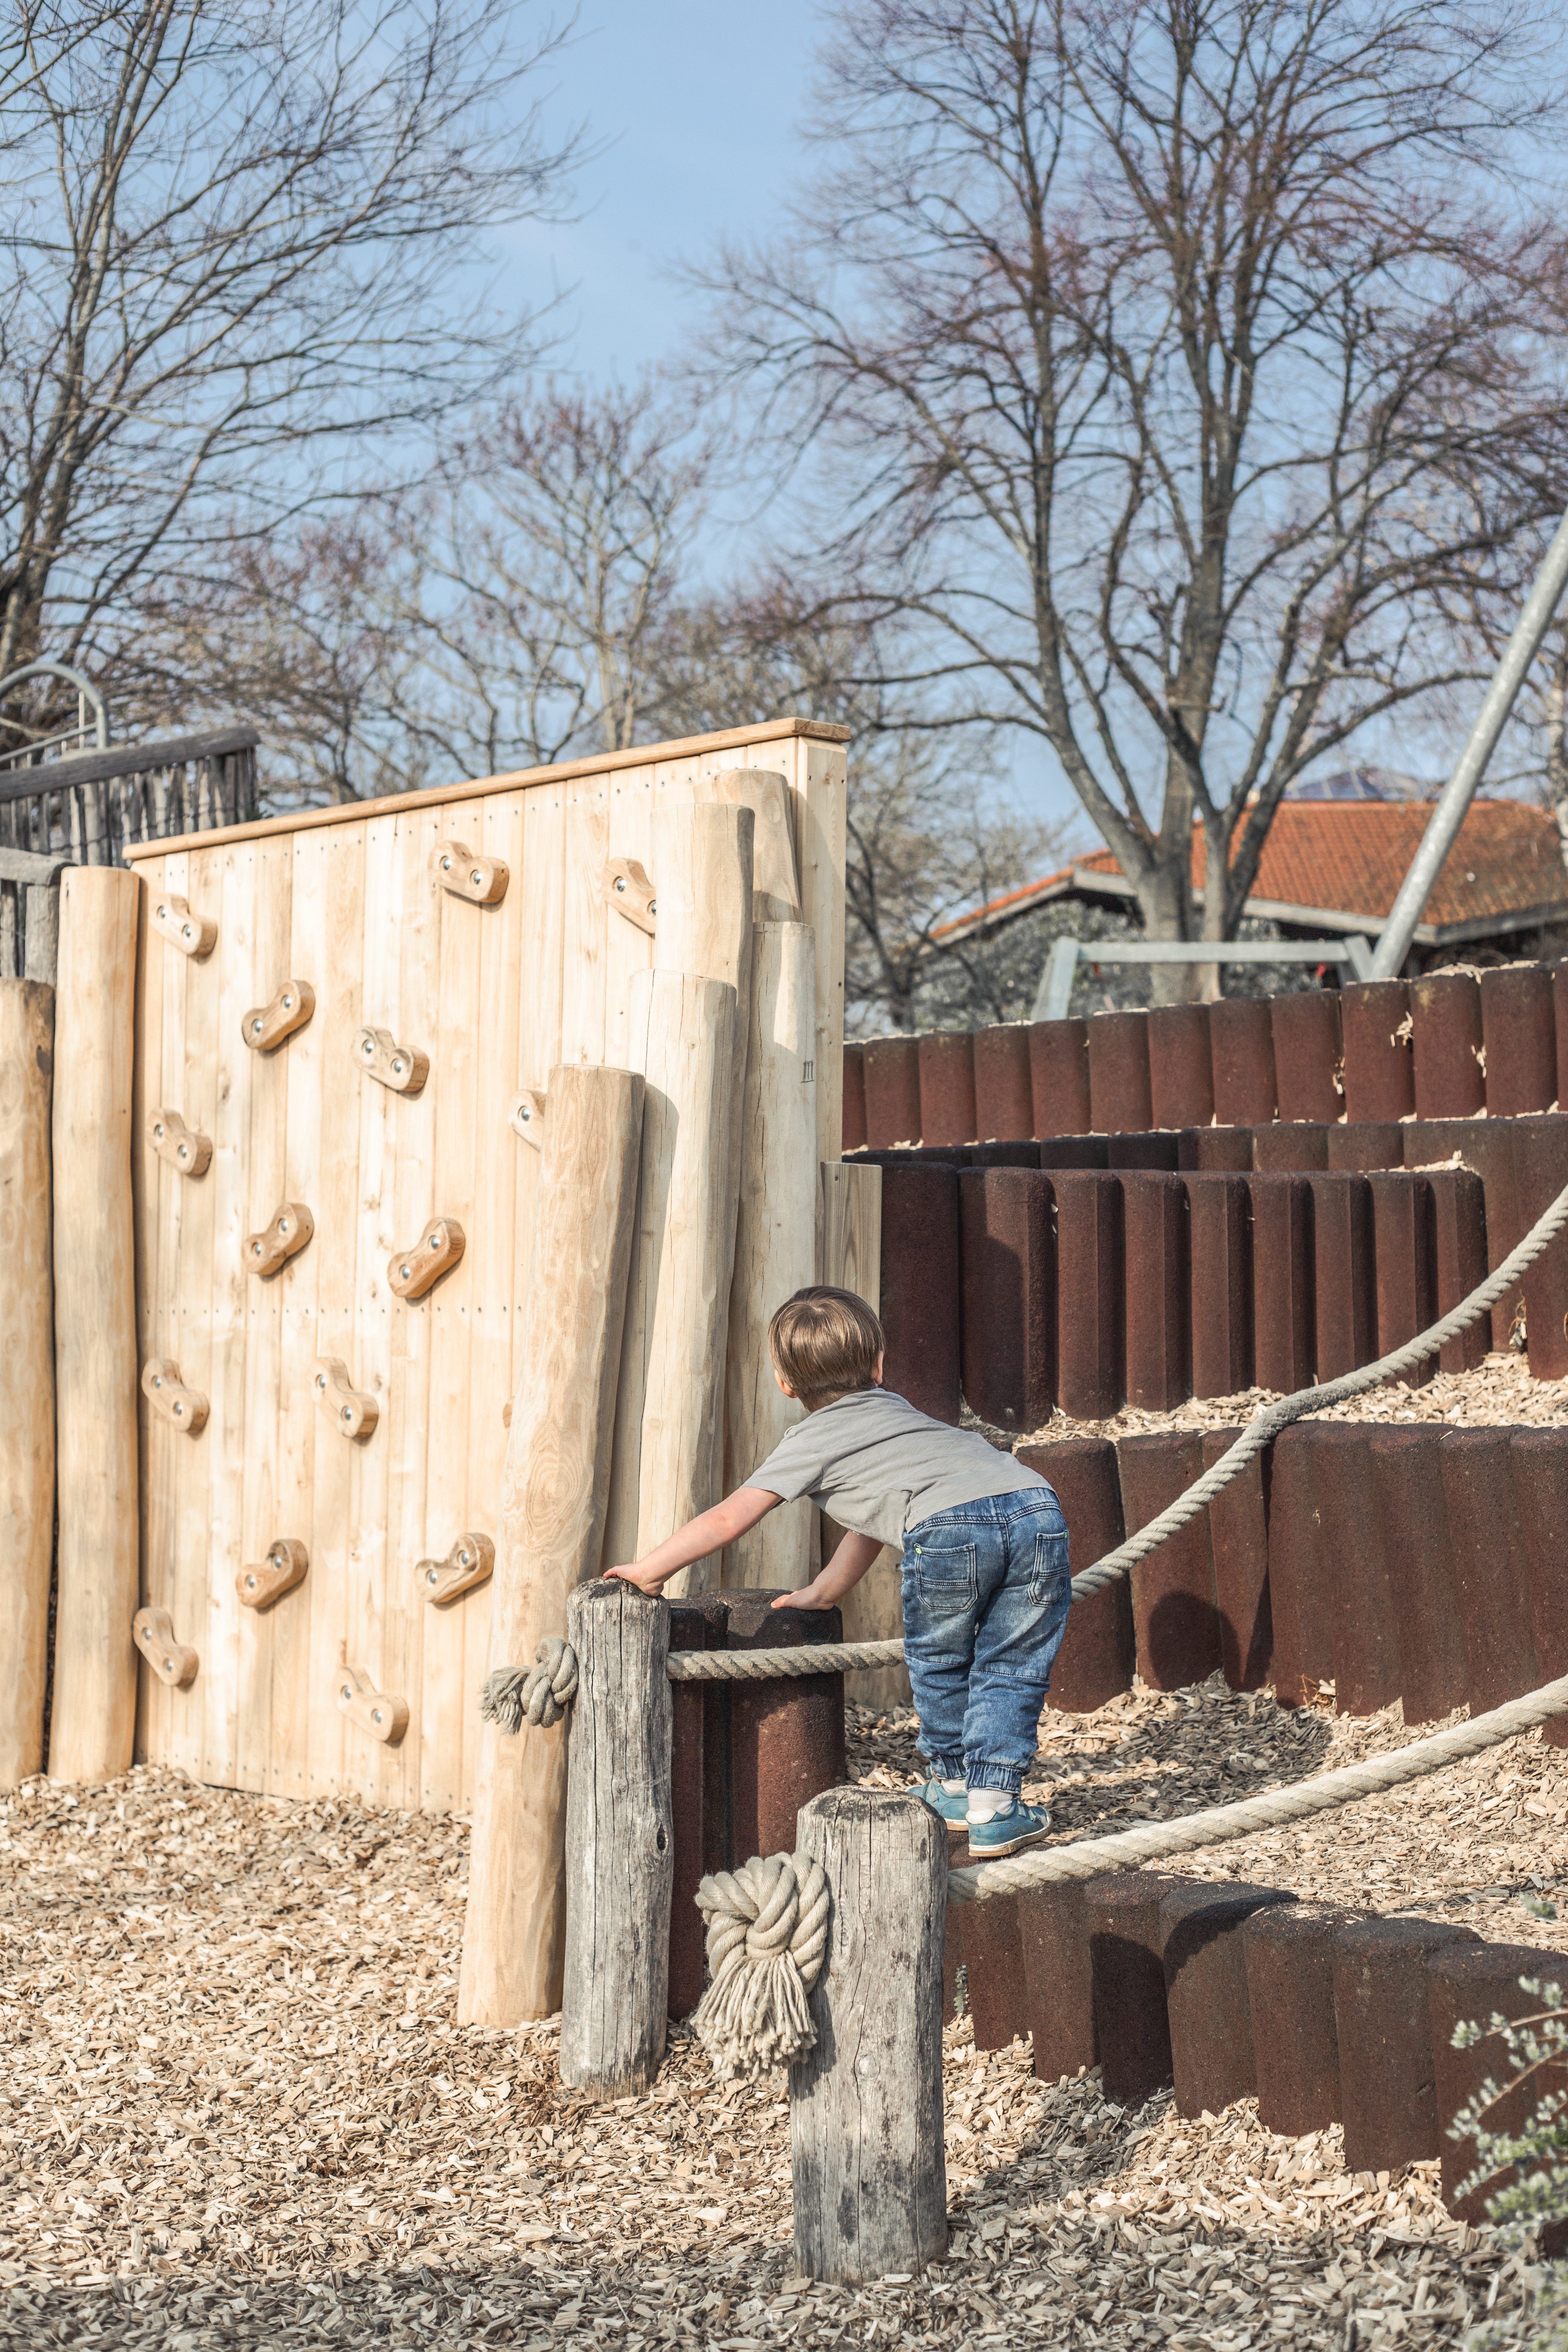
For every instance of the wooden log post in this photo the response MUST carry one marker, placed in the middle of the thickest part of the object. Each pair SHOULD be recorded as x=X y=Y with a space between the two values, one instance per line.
x=775 y=876
x=553 y=1518
x=775 y=1237
x=866 y=2107
x=26 y=1374
x=704 y=861
x=669 y=1407
x=620 y=1843
x=93 y=1722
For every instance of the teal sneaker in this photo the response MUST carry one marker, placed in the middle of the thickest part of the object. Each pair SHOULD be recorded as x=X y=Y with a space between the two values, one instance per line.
x=955 y=1809
x=1020 y=1824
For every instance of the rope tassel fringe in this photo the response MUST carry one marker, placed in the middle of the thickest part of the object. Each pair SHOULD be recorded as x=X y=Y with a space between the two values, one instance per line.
x=539 y=1694
x=767 y=1935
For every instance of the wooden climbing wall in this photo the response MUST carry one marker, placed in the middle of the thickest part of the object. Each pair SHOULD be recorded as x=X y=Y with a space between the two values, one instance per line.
x=346 y=900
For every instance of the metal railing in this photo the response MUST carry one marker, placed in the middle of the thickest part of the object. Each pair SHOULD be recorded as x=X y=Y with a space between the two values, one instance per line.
x=1353 y=955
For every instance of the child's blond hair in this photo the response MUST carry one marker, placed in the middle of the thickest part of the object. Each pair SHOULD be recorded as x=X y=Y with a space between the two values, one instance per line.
x=824 y=1343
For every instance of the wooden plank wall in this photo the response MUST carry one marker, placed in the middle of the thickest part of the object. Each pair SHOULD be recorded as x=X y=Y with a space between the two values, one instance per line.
x=496 y=996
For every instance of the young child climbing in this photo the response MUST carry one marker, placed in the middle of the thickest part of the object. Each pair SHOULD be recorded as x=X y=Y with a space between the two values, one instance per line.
x=986 y=1579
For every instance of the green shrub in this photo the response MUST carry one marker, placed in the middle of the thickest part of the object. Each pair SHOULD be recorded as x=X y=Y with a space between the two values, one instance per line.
x=1536 y=2150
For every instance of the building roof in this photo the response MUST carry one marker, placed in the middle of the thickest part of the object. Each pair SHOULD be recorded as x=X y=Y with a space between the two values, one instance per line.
x=1337 y=866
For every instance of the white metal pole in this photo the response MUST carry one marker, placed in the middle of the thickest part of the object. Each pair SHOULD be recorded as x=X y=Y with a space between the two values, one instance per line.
x=1461 y=789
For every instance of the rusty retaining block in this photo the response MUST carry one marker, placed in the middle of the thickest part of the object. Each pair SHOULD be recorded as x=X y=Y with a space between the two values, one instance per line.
x=1241 y=1049
x=1181 y=1077
x=1540 y=1493
x=1206 y=2001
x=1091 y=1304
x=892 y=1069
x=1119 y=1093
x=1445 y=1043
x=1288 y=1953
x=1003 y=1094
x=1214 y=1150
x=1411 y=1523
x=992 y=1957
x=921 y=1287
x=1159 y=1300
x=1380 y=1071
x=1127 y=1984
x=1220 y=1228
x=786 y=1738
x=1308 y=1052
x=855 y=1133
x=1491 y=1568
x=1344 y=1280
x=1291 y=1148
x=1157 y=1150
x=1175 y=1614
x=1459 y=1235
x=1073 y=1151
x=1059 y=1078
x=1519 y=1033
x=1541 y=1172
x=1299 y=1592
x=1284 y=1303
x=947 y=1087
x=1095 y=1658
x=1239 y=1536
x=1004 y=1155
x=1364 y=1619
x=1370 y=1143
x=1058 y=1981
x=1560 y=1021
x=697 y=1780
x=1469 y=1984
x=1008 y=1323
x=1404 y=1251
x=1384 y=2035
x=1485 y=1146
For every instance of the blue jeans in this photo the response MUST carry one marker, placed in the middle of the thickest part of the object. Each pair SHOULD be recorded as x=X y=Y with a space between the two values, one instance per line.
x=986 y=1591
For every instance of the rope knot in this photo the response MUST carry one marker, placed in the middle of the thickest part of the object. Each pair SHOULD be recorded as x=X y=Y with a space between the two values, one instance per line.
x=767 y=1935
x=541 y=1694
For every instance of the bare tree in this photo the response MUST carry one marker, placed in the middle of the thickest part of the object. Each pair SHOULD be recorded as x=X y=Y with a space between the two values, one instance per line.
x=1173 y=371
x=237 y=234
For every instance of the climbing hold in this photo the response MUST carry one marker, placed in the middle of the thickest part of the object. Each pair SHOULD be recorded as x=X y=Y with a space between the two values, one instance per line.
x=526 y=1117
x=266 y=1025
x=627 y=888
x=193 y=935
x=283 y=1568
x=152 y=1632
x=412 y=1272
x=541 y=1693
x=172 y=1140
x=469 y=1561
x=483 y=879
x=184 y=1408
x=351 y=1412
x=290 y=1229
x=767 y=1935
x=383 y=1716
x=380 y=1057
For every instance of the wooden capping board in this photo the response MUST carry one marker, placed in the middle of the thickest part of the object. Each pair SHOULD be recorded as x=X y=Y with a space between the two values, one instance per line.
x=497 y=996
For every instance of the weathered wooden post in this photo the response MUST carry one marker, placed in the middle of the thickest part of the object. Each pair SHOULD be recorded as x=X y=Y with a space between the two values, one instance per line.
x=552 y=1526
x=865 y=2113
x=26 y=1374
x=93 y=1723
x=620 y=1843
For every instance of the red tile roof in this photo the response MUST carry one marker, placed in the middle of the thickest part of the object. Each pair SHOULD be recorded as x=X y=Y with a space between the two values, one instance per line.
x=1347 y=860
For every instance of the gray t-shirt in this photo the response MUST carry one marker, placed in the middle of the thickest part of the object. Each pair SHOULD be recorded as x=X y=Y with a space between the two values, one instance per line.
x=878 y=1466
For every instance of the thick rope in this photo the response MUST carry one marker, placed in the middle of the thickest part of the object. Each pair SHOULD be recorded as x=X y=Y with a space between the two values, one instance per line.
x=764 y=1665
x=767 y=1933
x=1130 y=1849
x=540 y=1695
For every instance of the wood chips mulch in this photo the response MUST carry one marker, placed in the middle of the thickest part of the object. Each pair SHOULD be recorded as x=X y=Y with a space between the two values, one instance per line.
x=234 y=2108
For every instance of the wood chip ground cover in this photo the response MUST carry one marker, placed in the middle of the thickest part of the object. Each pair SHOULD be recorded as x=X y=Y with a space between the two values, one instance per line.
x=235 y=2109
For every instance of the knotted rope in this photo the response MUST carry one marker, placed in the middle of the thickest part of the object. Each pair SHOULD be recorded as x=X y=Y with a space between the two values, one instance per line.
x=767 y=1933
x=539 y=1694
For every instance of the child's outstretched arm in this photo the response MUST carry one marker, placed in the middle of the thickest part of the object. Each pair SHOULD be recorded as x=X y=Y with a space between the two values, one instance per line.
x=843 y=1572
x=708 y=1531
